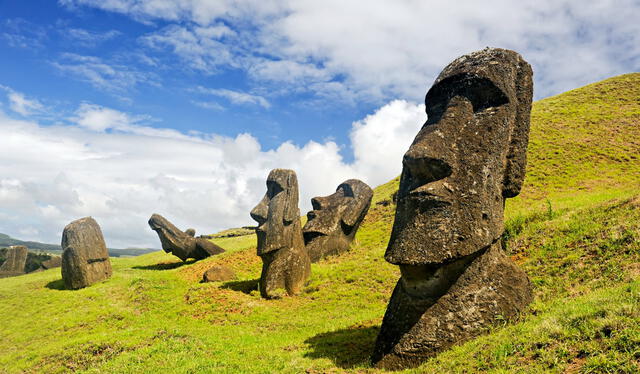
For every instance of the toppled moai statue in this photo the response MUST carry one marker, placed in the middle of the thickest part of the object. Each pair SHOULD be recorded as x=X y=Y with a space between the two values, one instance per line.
x=218 y=273
x=15 y=262
x=53 y=262
x=466 y=160
x=85 y=258
x=285 y=262
x=335 y=219
x=182 y=244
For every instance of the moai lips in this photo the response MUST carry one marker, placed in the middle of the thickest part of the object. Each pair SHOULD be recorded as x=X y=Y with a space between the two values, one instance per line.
x=285 y=262
x=335 y=219
x=466 y=160
x=179 y=243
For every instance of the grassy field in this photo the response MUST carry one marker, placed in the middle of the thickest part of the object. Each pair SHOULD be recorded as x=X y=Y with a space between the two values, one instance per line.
x=575 y=230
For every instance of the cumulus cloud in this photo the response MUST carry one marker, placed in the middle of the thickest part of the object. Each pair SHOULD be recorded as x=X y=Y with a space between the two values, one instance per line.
x=115 y=167
x=380 y=50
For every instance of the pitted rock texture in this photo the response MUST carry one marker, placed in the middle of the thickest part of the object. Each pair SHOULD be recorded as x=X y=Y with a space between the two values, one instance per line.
x=85 y=259
x=218 y=273
x=53 y=262
x=466 y=160
x=182 y=244
x=15 y=262
x=285 y=262
x=335 y=219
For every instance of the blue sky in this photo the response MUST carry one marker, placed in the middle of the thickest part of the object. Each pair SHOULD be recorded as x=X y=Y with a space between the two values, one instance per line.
x=122 y=108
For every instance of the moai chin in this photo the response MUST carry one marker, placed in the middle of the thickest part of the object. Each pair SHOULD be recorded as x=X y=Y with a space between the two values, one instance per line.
x=335 y=219
x=285 y=262
x=466 y=160
x=182 y=244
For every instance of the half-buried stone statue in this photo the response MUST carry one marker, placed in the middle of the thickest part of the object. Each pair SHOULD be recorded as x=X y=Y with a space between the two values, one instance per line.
x=15 y=261
x=285 y=262
x=334 y=220
x=179 y=243
x=466 y=160
x=85 y=259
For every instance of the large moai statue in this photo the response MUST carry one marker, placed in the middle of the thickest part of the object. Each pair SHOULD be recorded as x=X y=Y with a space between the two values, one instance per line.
x=466 y=160
x=15 y=262
x=182 y=244
x=285 y=262
x=335 y=219
x=85 y=258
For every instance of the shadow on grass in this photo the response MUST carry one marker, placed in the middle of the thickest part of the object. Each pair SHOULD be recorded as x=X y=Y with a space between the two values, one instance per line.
x=56 y=285
x=245 y=286
x=348 y=347
x=165 y=265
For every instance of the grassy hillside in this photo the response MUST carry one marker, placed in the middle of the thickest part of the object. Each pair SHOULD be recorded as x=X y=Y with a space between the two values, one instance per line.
x=575 y=230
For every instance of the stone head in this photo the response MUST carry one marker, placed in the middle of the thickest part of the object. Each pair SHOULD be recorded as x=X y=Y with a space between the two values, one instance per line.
x=173 y=239
x=466 y=160
x=334 y=220
x=277 y=212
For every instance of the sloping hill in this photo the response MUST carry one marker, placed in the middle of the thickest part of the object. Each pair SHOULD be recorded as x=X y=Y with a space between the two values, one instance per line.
x=575 y=230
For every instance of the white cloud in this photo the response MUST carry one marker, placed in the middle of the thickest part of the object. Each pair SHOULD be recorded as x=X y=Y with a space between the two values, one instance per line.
x=102 y=75
x=20 y=104
x=89 y=38
x=379 y=50
x=112 y=166
x=236 y=97
x=201 y=48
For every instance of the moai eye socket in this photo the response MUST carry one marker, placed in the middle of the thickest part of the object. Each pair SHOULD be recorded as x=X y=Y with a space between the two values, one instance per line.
x=273 y=188
x=481 y=92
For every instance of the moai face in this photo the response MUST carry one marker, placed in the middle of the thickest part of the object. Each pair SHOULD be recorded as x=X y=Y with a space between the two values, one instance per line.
x=466 y=160
x=334 y=220
x=277 y=212
x=468 y=157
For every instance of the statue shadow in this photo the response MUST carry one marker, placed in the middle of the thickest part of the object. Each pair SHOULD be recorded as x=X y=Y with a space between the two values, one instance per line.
x=244 y=286
x=347 y=348
x=56 y=285
x=165 y=265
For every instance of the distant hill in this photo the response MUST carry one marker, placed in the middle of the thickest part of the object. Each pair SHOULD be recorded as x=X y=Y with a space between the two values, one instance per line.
x=7 y=241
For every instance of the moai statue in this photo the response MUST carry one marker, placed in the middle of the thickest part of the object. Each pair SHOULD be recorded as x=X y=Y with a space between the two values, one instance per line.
x=334 y=220
x=183 y=245
x=285 y=262
x=85 y=258
x=466 y=160
x=15 y=261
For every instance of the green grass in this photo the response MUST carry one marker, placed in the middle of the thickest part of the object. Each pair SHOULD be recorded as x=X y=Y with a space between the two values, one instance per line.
x=577 y=237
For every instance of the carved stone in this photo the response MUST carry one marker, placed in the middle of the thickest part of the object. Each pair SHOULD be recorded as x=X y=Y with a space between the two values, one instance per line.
x=334 y=220
x=466 y=160
x=53 y=262
x=15 y=261
x=285 y=262
x=85 y=259
x=179 y=243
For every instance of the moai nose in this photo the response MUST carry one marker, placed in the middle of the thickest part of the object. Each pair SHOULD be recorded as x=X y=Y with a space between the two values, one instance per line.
x=317 y=203
x=261 y=211
x=424 y=168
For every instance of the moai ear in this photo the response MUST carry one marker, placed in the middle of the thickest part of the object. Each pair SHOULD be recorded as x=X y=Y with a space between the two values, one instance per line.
x=291 y=211
x=359 y=204
x=517 y=154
